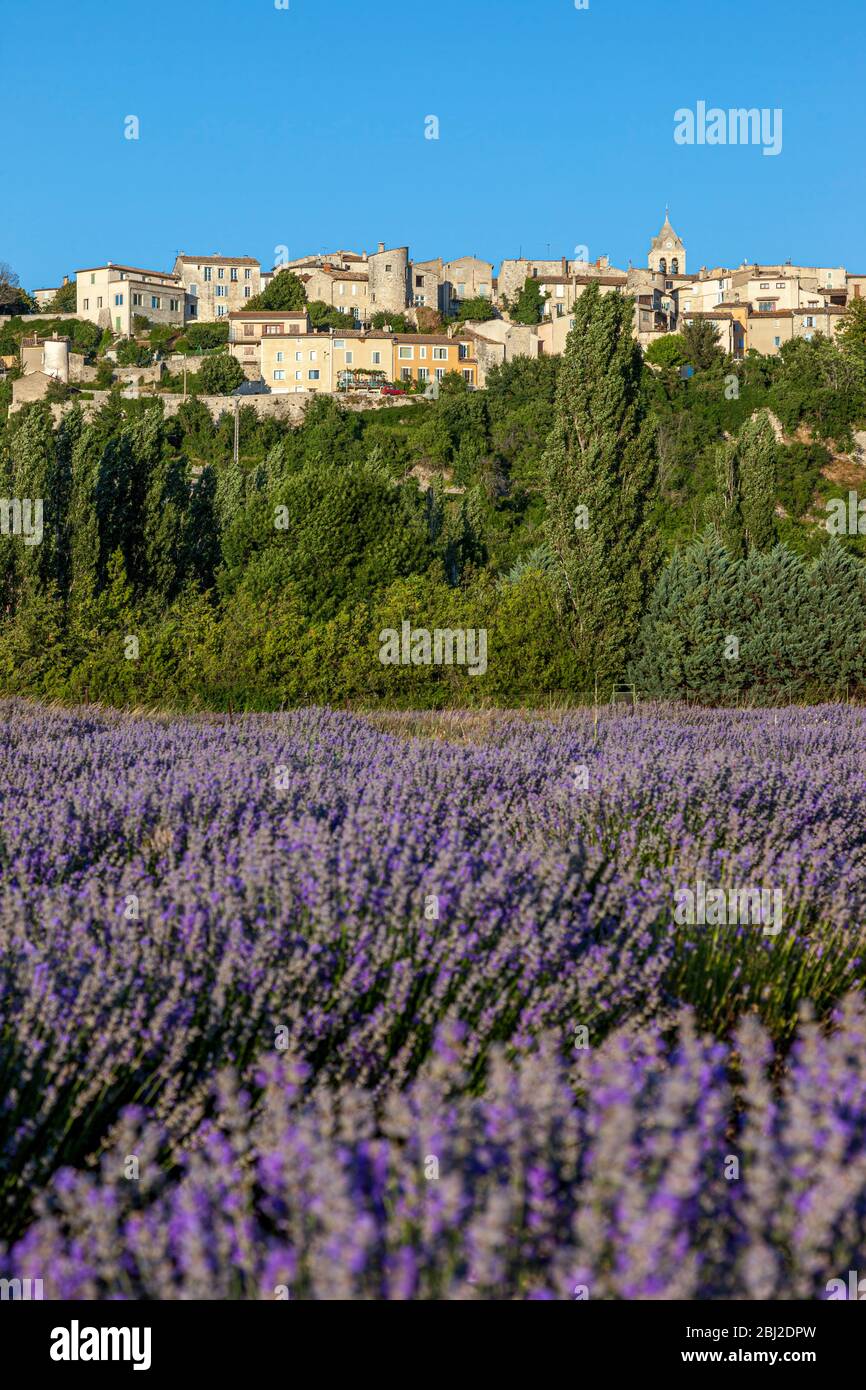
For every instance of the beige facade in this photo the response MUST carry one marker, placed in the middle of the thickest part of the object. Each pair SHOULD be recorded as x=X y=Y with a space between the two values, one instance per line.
x=348 y=290
x=247 y=327
x=112 y=296
x=329 y=362
x=427 y=285
x=496 y=341
x=467 y=277
x=768 y=331
x=216 y=285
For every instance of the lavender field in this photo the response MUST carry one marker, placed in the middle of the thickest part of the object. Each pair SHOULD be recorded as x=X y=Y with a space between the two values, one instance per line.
x=315 y=1006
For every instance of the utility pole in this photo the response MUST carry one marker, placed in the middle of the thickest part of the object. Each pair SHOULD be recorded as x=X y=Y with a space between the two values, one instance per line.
x=237 y=426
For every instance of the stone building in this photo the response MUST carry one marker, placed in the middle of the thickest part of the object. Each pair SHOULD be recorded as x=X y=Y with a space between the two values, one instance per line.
x=112 y=296
x=215 y=285
x=388 y=273
x=348 y=290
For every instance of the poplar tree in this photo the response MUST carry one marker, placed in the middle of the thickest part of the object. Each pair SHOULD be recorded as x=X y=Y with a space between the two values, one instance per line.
x=746 y=485
x=600 y=480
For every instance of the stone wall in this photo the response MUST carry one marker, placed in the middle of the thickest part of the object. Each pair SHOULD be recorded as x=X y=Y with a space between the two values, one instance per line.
x=288 y=408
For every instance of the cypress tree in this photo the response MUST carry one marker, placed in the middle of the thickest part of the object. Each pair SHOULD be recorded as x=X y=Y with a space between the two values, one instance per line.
x=600 y=457
x=756 y=447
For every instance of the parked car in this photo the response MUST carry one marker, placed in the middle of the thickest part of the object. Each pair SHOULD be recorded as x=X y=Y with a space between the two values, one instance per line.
x=393 y=391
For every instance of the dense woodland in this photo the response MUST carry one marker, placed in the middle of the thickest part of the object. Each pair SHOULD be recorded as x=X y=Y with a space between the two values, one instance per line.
x=265 y=583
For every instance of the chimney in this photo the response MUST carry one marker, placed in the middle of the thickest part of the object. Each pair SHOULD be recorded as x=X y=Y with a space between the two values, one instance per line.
x=381 y=247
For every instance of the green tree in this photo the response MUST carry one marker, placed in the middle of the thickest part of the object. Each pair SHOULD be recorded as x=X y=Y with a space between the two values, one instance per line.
x=600 y=483
x=324 y=316
x=220 y=374
x=478 y=310
x=667 y=351
x=528 y=305
x=284 y=292
x=395 y=323
x=65 y=300
x=756 y=445
x=851 y=334
x=701 y=342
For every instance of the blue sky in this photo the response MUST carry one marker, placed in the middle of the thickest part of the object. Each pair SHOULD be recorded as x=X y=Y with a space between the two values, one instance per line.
x=305 y=127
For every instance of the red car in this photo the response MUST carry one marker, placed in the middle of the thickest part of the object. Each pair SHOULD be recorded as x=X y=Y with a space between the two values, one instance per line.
x=392 y=391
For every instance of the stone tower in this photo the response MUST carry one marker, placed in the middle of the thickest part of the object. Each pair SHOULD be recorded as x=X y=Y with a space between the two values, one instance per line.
x=389 y=279
x=667 y=253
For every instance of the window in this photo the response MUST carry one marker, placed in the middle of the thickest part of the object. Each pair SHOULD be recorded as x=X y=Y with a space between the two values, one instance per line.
x=272 y=329
x=675 y=267
x=404 y=353
x=422 y=353
x=560 y=291
x=234 y=274
x=279 y=375
x=155 y=301
x=669 y=284
x=440 y=354
x=99 y=302
x=419 y=282
x=299 y=357
x=440 y=373
x=314 y=354
x=355 y=290
x=663 y=266
x=341 y=289
x=221 y=275
x=387 y=270
x=249 y=330
x=461 y=289
x=279 y=357
x=87 y=304
x=248 y=274
x=93 y=279
x=483 y=289
x=221 y=311
x=468 y=374
x=299 y=376
x=350 y=357
x=765 y=306
x=118 y=299
x=377 y=358
x=193 y=289
x=222 y=291
x=808 y=337
x=136 y=299
x=809 y=321
x=765 y=284
x=777 y=342
x=313 y=375
x=463 y=349
x=174 y=305
x=247 y=291
x=406 y=373
x=339 y=342
x=423 y=373
x=208 y=273
x=780 y=284
x=117 y=323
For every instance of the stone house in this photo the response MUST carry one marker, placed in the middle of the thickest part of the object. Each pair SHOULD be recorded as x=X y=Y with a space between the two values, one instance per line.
x=216 y=285
x=112 y=296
